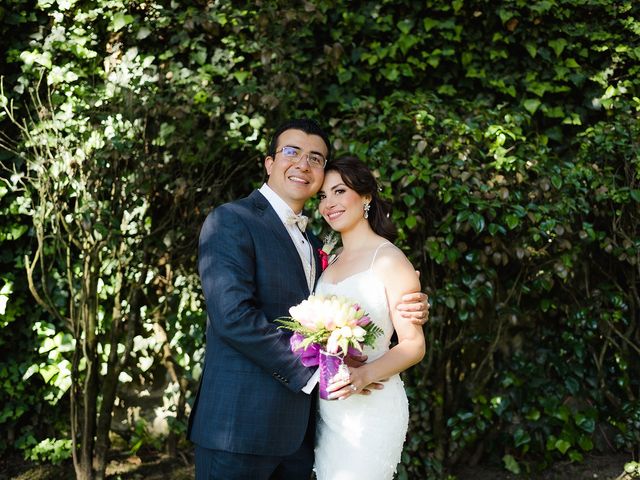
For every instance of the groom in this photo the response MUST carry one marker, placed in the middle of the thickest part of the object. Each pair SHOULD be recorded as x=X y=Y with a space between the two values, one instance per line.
x=254 y=414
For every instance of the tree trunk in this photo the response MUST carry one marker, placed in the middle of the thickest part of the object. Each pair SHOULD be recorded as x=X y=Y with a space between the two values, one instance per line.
x=110 y=385
x=89 y=313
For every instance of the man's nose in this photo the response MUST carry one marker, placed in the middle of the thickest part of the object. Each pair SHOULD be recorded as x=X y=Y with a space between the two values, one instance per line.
x=305 y=157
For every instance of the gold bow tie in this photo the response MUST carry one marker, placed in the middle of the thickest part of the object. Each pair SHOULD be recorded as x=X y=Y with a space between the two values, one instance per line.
x=299 y=220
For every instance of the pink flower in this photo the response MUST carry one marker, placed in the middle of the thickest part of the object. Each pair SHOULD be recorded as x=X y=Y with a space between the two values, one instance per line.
x=332 y=322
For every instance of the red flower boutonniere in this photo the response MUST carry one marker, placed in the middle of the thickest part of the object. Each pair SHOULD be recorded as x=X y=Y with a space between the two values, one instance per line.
x=324 y=252
x=324 y=259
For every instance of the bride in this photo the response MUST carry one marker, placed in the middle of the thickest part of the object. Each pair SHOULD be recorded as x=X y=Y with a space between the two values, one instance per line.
x=361 y=436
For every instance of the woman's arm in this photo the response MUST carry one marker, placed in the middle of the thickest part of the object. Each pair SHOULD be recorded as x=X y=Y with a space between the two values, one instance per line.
x=399 y=278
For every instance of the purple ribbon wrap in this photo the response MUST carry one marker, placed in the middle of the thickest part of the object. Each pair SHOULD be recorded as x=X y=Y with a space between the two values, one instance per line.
x=310 y=355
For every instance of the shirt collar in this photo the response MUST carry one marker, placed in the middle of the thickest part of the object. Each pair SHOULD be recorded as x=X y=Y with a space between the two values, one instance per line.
x=279 y=205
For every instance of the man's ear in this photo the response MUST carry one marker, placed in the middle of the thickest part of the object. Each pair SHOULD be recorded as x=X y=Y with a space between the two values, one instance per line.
x=268 y=164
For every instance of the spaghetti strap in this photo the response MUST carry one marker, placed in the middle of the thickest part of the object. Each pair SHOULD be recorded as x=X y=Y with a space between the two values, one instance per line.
x=375 y=254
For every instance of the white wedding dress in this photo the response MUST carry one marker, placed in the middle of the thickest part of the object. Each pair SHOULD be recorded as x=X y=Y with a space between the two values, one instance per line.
x=362 y=437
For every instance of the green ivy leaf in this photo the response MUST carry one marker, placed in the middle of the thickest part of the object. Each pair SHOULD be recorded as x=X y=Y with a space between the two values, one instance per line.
x=562 y=446
x=121 y=20
x=512 y=221
x=511 y=464
x=405 y=25
x=429 y=23
x=240 y=76
x=558 y=45
x=531 y=48
x=531 y=105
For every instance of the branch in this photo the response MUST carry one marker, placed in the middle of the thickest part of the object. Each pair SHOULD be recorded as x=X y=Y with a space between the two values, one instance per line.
x=30 y=267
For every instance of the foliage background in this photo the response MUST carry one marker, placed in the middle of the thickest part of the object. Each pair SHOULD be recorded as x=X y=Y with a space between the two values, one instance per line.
x=506 y=134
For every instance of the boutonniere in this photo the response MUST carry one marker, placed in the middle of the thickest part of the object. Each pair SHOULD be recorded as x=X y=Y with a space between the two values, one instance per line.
x=330 y=241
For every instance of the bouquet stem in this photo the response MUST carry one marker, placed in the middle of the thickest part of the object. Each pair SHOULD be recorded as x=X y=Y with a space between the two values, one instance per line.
x=331 y=365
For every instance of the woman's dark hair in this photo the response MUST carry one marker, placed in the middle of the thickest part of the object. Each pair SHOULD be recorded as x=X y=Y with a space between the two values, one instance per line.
x=357 y=176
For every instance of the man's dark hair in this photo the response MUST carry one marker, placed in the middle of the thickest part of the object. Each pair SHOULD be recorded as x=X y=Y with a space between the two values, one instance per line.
x=308 y=126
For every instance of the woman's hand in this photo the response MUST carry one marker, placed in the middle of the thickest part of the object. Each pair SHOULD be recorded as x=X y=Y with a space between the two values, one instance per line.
x=357 y=383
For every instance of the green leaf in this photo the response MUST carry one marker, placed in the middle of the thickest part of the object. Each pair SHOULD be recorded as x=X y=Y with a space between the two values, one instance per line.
x=477 y=222
x=17 y=231
x=121 y=20
x=200 y=56
x=532 y=49
x=344 y=76
x=429 y=23
x=531 y=105
x=398 y=174
x=533 y=415
x=240 y=76
x=558 y=45
x=143 y=33
x=390 y=72
x=562 y=446
x=505 y=15
x=409 y=200
x=571 y=63
x=511 y=464
x=512 y=221
x=48 y=372
x=575 y=456
x=405 y=26
x=585 y=443
x=521 y=437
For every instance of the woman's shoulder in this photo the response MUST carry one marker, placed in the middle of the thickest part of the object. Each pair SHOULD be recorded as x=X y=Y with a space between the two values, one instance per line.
x=395 y=270
x=389 y=256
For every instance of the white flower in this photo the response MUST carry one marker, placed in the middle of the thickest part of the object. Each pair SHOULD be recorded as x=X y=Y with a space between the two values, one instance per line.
x=330 y=241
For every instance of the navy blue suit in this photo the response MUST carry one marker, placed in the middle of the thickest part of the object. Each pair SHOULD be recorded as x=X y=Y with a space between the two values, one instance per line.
x=250 y=399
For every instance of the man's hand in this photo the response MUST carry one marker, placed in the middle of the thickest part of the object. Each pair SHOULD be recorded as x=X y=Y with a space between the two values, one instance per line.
x=415 y=307
x=355 y=361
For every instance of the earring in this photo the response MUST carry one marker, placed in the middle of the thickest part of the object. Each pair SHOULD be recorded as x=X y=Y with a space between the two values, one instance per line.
x=366 y=210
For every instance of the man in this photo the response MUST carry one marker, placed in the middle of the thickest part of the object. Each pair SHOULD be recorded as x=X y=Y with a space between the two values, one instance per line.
x=251 y=418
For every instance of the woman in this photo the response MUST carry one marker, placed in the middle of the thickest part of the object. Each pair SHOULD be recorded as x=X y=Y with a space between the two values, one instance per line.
x=362 y=435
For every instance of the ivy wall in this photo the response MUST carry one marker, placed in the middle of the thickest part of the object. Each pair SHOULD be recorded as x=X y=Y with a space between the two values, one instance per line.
x=505 y=133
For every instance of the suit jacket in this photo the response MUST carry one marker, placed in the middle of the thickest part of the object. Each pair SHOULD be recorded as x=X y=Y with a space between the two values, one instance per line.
x=250 y=398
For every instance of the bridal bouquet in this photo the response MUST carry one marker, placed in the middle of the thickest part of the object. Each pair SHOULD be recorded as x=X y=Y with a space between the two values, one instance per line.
x=326 y=329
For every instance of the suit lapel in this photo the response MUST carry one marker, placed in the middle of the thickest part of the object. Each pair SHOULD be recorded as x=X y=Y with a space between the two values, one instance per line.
x=280 y=233
x=316 y=246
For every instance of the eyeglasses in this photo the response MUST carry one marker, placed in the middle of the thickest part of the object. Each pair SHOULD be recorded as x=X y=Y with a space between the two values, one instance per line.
x=294 y=155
